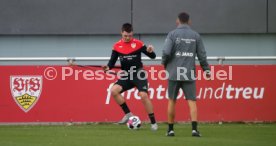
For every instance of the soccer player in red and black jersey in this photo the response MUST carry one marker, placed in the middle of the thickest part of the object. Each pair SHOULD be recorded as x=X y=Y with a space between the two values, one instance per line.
x=129 y=51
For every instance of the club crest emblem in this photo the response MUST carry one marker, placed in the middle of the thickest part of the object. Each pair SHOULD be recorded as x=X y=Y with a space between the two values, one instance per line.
x=133 y=45
x=178 y=40
x=26 y=90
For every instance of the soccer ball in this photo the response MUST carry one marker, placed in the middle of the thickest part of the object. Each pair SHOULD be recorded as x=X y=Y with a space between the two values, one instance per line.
x=134 y=123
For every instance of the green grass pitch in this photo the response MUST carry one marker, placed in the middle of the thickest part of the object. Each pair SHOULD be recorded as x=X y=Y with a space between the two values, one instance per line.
x=120 y=135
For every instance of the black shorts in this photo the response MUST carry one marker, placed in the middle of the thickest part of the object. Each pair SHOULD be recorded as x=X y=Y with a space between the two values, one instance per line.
x=137 y=80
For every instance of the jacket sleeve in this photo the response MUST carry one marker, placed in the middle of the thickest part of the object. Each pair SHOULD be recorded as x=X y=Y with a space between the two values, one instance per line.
x=201 y=54
x=167 y=49
x=113 y=59
x=151 y=55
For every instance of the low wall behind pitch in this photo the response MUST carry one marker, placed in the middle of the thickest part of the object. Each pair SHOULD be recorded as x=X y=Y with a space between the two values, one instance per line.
x=78 y=94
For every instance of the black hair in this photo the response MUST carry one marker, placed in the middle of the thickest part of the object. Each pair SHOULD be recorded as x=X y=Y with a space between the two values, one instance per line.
x=127 y=27
x=183 y=17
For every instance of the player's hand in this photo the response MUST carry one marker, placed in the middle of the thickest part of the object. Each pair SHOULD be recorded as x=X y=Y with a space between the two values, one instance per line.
x=150 y=48
x=71 y=62
x=164 y=65
x=105 y=68
x=208 y=75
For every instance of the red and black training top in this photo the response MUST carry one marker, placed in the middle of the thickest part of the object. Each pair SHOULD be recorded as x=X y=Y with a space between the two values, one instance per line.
x=129 y=54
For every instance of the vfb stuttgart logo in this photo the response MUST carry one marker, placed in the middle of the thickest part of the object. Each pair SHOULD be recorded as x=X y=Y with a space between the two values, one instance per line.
x=26 y=90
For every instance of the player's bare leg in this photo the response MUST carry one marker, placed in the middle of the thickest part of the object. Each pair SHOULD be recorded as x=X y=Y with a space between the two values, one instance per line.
x=193 y=113
x=149 y=108
x=171 y=115
x=146 y=102
x=115 y=92
x=171 y=110
x=193 y=110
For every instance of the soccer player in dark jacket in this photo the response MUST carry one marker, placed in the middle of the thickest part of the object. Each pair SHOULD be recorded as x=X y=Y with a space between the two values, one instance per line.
x=129 y=51
x=181 y=47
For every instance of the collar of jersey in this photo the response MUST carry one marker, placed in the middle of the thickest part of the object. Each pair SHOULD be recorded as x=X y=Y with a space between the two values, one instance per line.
x=127 y=49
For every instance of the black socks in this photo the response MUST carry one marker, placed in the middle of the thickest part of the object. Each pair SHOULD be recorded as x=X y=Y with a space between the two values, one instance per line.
x=152 y=118
x=194 y=125
x=170 y=127
x=125 y=108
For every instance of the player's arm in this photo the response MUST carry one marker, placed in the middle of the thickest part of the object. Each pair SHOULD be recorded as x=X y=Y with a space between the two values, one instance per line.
x=112 y=61
x=149 y=51
x=167 y=49
x=202 y=57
